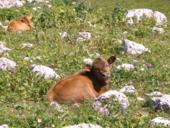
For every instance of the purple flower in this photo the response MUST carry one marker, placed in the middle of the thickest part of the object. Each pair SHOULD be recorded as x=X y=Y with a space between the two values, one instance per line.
x=149 y=65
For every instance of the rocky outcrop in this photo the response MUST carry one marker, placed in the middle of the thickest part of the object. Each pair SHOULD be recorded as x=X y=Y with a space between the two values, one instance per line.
x=112 y=95
x=137 y=15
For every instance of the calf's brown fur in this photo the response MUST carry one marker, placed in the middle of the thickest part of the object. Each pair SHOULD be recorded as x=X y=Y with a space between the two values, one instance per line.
x=88 y=84
x=23 y=24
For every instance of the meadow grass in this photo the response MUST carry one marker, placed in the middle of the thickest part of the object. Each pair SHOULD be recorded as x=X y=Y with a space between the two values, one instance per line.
x=23 y=95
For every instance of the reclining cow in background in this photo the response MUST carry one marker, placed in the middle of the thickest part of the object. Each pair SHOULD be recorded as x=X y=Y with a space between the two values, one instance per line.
x=23 y=24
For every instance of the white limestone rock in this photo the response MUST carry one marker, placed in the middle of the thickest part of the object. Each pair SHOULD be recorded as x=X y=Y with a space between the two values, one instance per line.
x=160 y=101
x=4 y=126
x=116 y=96
x=98 y=106
x=134 y=48
x=160 y=18
x=126 y=67
x=137 y=15
x=44 y=71
x=101 y=103
x=158 y=30
x=83 y=36
x=128 y=89
x=10 y=3
x=7 y=65
x=3 y=48
x=160 y=121
x=83 y=125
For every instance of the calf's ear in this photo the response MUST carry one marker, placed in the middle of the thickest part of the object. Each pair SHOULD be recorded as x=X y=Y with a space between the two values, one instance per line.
x=111 y=59
x=87 y=68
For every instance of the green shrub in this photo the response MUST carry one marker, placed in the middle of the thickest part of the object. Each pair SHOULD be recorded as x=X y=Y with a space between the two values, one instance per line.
x=118 y=14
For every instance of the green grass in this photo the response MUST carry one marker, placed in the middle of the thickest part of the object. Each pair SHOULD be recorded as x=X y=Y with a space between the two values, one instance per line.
x=22 y=94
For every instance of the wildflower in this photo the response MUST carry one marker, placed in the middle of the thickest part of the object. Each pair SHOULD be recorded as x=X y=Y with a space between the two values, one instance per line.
x=39 y=120
x=149 y=65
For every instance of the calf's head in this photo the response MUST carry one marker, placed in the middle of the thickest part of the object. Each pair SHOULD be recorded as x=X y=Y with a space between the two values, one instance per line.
x=101 y=68
x=27 y=20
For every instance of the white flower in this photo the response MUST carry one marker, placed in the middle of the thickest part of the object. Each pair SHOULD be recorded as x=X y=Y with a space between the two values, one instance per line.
x=26 y=45
x=125 y=33
x=88 y=61
x=117 y=96
x=34 y=8
x=63 y=34
x=49 y=5
x=53 y=126
x=38 y=58
x=47 y=1
x=140 y=99
x=28 y=59
x=39 y=120
x=126 y=67
x=142 y=69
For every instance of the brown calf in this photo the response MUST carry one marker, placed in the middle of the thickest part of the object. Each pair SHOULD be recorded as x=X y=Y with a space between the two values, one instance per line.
x=88 y=84
x=23 y=24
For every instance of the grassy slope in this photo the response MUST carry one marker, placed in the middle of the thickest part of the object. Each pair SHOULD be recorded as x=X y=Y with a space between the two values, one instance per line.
x=22 y=94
